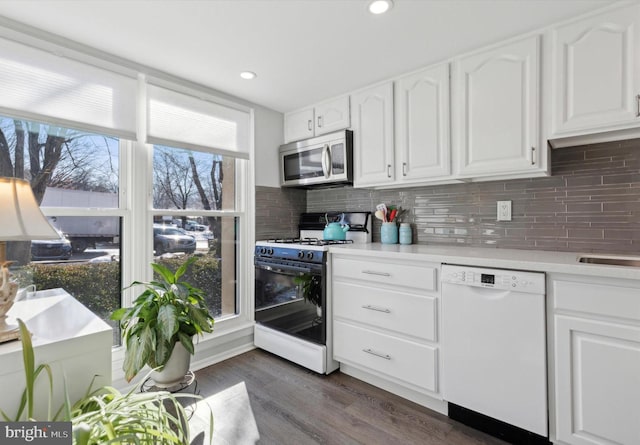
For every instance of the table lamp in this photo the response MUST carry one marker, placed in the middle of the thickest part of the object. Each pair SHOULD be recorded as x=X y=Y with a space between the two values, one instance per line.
x=20 y=220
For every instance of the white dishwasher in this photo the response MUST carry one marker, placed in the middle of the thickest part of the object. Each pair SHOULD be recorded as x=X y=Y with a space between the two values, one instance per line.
x=494 y=347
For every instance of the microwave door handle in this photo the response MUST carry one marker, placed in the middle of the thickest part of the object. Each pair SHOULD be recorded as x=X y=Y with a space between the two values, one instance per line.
x=326 y=161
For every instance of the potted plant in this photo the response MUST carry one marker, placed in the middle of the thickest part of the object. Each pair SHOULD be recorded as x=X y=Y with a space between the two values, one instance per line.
x=159 y=327
x=105 y=415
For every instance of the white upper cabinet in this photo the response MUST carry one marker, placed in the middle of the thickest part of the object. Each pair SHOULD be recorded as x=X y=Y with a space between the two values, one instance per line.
x=497 y=109
x=422 y=125
x=325 y=117
x=595 y=78
x=372 y=123
x=332 y=115
x=298 y=125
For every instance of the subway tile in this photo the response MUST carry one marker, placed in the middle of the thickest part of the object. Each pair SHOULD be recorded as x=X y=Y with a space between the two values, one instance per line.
x=625 y=178
x=622 y=206
x=584 y=207
x=592 y=234
x=582 y=180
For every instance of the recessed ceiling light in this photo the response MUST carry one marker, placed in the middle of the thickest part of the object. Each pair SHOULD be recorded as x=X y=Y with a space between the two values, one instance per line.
x=248 y=75
x=380 y=6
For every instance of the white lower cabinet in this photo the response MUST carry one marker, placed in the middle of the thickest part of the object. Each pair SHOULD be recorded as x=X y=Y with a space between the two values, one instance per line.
x=385 y=323
x=406 y=361
x=596 y=342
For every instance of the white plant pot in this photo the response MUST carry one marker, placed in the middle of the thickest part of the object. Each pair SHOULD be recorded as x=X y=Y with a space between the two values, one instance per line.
x=175 y=369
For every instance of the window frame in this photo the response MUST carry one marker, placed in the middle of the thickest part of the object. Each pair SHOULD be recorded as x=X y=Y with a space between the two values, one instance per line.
x=232 y=335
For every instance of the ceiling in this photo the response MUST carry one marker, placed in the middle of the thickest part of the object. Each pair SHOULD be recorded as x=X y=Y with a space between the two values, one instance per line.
x=303 y=51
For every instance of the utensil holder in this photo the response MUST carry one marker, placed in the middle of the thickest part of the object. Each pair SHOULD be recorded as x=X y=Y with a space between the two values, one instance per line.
x=389 y=233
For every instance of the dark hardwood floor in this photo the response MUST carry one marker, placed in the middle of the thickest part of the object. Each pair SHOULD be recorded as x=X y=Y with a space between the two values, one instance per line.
x=259 y=398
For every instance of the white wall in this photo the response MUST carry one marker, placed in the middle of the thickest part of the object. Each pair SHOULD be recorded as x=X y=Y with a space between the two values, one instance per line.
x=269 y=135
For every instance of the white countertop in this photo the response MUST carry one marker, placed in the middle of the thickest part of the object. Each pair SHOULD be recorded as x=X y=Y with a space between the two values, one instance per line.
x=531 y=260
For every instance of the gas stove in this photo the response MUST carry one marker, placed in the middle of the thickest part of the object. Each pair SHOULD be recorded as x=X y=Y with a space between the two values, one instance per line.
x=311 y=229
x=292 y=304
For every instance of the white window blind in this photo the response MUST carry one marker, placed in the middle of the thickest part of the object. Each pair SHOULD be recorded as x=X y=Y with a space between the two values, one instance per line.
x=179 y=120
x=41 y=86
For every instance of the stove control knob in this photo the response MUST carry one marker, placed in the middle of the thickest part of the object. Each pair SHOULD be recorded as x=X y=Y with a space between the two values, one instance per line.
x=301 y=254
x=309 y=255
x=270 y=251
x=263 y=250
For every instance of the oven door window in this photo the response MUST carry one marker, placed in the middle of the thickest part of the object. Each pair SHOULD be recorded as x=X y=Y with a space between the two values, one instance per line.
x=291 y=300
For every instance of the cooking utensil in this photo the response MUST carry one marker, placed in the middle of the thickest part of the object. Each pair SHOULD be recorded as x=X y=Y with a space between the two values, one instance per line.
x=379 y=215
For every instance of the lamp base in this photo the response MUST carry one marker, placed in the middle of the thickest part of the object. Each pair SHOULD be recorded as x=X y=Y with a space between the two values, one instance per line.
x=8 y=332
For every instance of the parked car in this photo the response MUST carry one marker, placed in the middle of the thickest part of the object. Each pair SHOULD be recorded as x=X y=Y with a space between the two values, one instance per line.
x=51 y=249
x=172 y=239
x=194 y=226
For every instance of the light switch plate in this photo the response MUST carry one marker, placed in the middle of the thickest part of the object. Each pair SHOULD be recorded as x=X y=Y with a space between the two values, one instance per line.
x=504 y=210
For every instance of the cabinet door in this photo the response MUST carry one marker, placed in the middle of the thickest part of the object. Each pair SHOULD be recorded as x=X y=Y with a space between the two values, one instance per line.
x=332 y=115
x=596 y=72
x=422 y=125
x=298 y=125
x=498 y=106
x=597 y=367
x=372 y=121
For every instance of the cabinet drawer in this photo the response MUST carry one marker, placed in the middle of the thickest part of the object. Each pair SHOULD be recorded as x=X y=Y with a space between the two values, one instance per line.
x=399 y=359
x=386 y=309
x=601 y=299
x=397 y=274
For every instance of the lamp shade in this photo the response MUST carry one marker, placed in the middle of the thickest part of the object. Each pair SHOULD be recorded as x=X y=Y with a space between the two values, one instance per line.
x=20 y=216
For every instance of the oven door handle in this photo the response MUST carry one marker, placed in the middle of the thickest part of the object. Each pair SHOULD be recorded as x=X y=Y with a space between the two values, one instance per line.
x=277 y=269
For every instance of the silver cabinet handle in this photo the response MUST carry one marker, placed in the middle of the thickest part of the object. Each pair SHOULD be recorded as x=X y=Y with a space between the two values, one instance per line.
x=375 y=308
x=533 y=155
x=373 y=272
x=389 y=170
x=309 y=123
x=404 y=169
x=377 y=354
x=638 y=105
x=319 y=121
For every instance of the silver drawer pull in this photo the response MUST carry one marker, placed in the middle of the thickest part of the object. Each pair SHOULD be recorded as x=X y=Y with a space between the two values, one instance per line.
x=377 y=354
x=378 y=309
x=373 y=272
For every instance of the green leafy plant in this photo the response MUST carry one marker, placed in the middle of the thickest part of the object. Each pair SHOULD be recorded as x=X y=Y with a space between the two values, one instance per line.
x=107 y=416
x=166 y=312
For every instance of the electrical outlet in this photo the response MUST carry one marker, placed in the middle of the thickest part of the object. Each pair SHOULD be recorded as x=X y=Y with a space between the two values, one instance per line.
x=504 y=210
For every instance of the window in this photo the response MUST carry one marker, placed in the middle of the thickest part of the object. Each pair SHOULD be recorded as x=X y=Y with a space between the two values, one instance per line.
x=75 y=177
x=190 y=190
x=131 y=169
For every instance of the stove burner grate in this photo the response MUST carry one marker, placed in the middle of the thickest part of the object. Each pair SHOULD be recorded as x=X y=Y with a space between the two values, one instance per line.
x=309 y=241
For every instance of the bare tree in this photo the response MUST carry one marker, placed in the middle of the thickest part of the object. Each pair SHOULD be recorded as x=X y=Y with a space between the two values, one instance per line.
x=215 y=176
x=55 y=157
x=172 y=185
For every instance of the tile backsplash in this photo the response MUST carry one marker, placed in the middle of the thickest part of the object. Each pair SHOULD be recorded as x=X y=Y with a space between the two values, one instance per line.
x=278 y=211
x=590 y=203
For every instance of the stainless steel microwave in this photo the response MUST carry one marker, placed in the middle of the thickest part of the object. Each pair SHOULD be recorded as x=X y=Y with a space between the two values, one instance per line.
x=323 y=161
